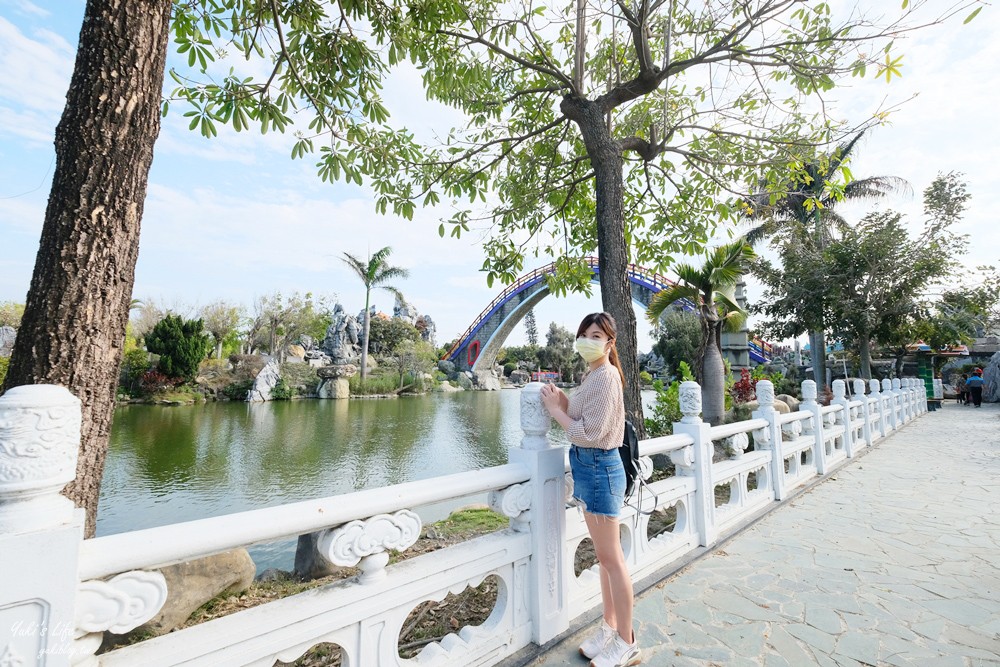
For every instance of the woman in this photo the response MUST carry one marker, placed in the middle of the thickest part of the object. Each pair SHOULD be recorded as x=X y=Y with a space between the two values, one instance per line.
x=594 y=420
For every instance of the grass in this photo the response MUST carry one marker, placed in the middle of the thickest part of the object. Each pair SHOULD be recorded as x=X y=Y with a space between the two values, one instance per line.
x=374 y=385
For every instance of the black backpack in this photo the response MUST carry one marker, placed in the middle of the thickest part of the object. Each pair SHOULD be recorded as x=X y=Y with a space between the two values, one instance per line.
x=629 y=451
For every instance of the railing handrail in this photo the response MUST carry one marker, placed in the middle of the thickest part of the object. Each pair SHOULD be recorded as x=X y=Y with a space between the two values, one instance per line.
x=174 y=543
x=726 y=430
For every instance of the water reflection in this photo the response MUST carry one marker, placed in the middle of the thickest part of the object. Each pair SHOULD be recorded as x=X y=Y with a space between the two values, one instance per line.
x=170 y=464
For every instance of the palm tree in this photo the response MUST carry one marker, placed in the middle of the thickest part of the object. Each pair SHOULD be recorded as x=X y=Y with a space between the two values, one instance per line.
x=807 y=206
x=375 y=274
x=710 y=289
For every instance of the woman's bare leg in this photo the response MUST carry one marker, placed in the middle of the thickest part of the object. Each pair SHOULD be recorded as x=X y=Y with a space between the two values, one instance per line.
x=607 y=544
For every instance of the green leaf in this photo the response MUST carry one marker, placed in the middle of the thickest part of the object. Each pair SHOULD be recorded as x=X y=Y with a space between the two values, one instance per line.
x=972 y=15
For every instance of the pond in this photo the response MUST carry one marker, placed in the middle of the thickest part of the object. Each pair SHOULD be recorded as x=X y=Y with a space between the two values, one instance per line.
x=171 y=464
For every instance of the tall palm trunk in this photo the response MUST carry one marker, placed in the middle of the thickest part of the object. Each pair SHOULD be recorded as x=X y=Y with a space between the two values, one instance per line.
x=364 y=340
x=713 y=372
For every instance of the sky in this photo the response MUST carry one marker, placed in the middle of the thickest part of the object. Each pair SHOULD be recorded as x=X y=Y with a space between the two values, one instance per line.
x=234 y=217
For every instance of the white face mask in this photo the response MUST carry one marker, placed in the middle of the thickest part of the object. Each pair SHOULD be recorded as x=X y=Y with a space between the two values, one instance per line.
x=591 y=350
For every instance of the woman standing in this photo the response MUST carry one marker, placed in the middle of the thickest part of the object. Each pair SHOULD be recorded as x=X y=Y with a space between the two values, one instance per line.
x=594 y=420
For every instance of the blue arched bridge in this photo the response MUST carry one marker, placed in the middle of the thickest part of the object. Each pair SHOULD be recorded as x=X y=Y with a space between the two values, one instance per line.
x=477 y=348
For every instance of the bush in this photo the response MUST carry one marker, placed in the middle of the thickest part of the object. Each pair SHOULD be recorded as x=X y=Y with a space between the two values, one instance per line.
x=152 y=382
x=644 y=377
x=666 y=409
x=237 y=391
x=745 y=389
x=135 y=363
x=4 y=365
x=281 y=391
x=181 y=344
x=509 y=368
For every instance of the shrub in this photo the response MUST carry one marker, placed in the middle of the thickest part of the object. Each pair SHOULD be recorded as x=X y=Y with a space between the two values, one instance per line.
x=281 y=391
x=237 y=391
x=4 y=365
x=135 y=363
x=181 y=344
x=152 y=382
x=644 y=377
x=745 y=389
x=666 y=409
x=509 y=368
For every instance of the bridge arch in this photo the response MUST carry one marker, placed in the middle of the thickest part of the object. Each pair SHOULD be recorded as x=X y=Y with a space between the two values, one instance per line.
x=477 y=348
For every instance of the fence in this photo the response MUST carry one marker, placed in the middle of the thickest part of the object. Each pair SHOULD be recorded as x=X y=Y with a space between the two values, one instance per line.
x=60 y=593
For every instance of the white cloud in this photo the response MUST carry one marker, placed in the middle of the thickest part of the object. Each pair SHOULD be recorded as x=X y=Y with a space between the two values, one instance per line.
x=34 y=73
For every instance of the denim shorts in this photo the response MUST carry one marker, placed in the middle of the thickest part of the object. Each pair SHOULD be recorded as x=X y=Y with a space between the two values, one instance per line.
x=598 y=479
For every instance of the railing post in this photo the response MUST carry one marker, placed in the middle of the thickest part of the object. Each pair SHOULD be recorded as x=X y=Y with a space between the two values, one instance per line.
x=897 y=402
x=770 y=437
x=40 y=530
x=692 y=425
x=809 y=404
x=844 y=416
x=548 y=574
x=911 y=411
x=876 y=393
x=889 y=405
x=859 y=394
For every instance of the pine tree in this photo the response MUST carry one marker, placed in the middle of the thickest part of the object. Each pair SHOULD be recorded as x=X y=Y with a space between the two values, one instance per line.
x=531 y=327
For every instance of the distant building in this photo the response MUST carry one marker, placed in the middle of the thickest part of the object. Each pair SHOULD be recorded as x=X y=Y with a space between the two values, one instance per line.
x=545 y=376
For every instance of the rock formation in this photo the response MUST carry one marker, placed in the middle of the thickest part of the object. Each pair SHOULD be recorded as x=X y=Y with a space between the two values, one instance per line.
x=991 y=375
x=193 y=583
x=7 y=337
x=334 y=381
x=264 y=383
x=343 y=336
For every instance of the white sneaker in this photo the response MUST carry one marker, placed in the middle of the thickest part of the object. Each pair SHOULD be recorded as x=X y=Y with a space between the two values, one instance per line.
x=618 y=654
x=594 y=644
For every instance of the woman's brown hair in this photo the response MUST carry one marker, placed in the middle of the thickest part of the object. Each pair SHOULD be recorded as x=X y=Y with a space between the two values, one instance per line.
x=610 y=329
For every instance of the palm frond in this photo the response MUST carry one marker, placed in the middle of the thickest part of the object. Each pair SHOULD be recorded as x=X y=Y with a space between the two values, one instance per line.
x=876 y=187
x=359 y=267
x=387 y=273
x=728 y=262
x=669 y=296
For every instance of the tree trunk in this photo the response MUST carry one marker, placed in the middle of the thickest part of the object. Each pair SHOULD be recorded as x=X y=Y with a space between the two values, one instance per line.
x=817 y=351
x=364 y=341
x=78 y=303
x=866 y=357
x=616 y=295
x=713 y=380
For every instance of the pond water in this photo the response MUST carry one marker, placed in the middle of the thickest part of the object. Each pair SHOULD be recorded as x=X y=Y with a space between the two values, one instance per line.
x=171 y=464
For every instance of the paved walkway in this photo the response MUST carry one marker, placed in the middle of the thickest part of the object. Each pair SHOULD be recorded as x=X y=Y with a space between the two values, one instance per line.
x=895 y=560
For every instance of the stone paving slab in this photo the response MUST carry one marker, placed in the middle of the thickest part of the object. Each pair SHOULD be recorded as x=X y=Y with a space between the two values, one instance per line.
x=893 y=560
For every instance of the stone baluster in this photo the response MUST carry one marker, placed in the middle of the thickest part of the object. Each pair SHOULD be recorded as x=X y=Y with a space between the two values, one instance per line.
x=908 y=398
x=770 y=436
x=875 y=388
x=549 y=570
x=691 y=424
x=859 y=394
x=897 y=402
x=889 y=405
x=809 y=404
x=40 y=530
x=844 y=416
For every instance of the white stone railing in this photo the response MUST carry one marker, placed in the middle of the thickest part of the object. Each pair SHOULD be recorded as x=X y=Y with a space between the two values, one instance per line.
x=61 y=593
